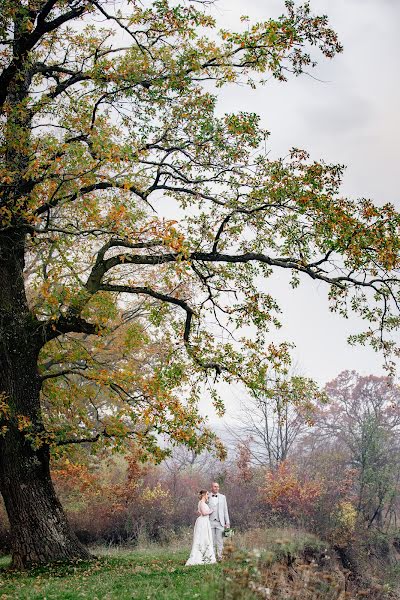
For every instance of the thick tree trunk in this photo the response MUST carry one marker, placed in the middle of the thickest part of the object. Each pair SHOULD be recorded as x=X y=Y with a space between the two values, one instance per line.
x=39 y=529
x=40 y=532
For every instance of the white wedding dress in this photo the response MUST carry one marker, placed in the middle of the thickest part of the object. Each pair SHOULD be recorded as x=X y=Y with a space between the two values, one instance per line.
x=202 y=552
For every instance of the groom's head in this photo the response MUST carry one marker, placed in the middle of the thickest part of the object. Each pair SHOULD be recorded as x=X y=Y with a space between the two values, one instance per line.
x=215 y=487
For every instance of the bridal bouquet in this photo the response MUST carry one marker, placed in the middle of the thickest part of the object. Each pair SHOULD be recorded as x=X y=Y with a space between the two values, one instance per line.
x=229 y=532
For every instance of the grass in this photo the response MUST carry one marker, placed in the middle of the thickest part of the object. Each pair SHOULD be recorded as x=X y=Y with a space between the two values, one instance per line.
x=148 y=573
x=261 y=564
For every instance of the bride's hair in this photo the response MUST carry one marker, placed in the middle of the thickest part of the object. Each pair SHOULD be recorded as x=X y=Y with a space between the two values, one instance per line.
x=202 y=493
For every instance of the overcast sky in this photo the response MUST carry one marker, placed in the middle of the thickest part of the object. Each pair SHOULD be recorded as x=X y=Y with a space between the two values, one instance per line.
x=349 y=116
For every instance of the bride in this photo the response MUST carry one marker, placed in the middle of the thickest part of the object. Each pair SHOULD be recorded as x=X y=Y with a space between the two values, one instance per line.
x=202 y=549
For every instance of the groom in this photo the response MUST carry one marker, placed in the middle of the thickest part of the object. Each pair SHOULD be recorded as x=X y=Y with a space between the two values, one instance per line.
x=219 y=518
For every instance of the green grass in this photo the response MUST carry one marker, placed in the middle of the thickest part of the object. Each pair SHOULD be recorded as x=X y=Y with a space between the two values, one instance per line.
x=147 y=574
x=257 y=560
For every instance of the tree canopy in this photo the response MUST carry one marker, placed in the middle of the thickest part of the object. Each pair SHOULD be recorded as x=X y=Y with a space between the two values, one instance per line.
x=142 y=221
x=114 y=125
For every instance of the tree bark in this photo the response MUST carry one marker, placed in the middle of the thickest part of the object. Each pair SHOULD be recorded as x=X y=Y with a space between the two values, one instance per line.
x=40 y=532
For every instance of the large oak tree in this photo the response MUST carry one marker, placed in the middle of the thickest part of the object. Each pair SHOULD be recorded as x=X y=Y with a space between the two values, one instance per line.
x=109 y=309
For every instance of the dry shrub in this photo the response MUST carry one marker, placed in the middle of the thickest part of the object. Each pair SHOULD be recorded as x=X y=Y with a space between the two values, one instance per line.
x=311 y=575
x=286 y=492
x=117 y=501
x=289 y=564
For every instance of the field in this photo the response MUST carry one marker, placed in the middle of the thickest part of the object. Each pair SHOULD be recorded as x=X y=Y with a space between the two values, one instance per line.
x=144 y=574
x=147 y=573
x=261 y=564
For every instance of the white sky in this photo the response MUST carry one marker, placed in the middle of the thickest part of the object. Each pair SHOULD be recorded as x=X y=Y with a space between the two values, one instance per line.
x=351 y=116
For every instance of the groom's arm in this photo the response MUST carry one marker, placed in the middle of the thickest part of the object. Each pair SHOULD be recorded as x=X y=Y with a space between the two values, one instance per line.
x=226 y=514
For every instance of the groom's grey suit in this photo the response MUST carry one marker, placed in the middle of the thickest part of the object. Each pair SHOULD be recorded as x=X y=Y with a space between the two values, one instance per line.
x=219 y=519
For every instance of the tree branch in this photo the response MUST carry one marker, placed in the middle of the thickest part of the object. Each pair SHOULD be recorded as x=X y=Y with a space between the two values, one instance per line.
x=70 y=323
x=100 y=185
x=125 y=289
x=27 y=43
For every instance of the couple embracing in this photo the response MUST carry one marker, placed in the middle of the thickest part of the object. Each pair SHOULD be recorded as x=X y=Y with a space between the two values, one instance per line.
x=209 y=528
